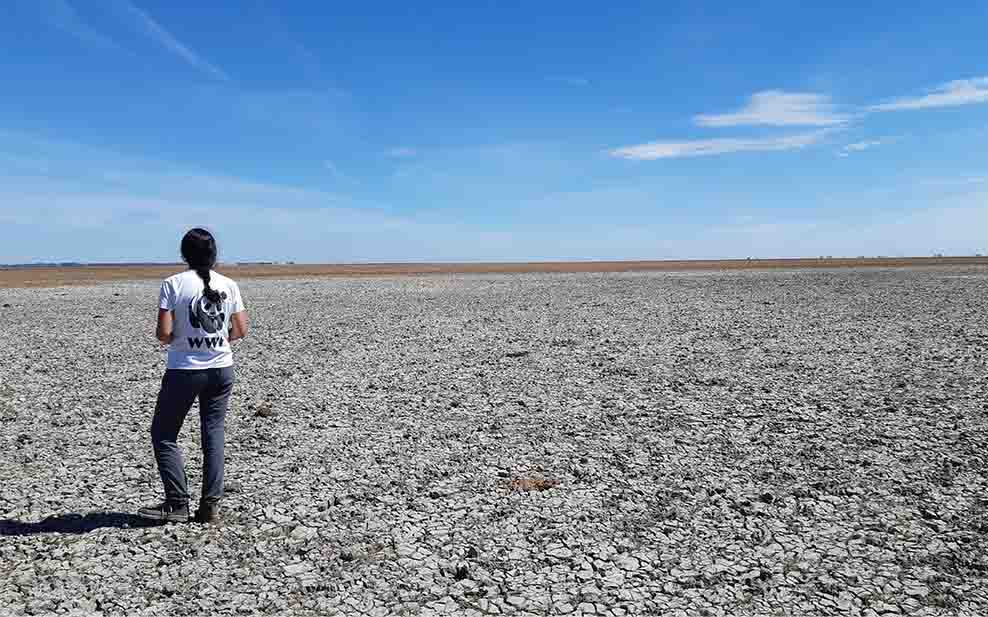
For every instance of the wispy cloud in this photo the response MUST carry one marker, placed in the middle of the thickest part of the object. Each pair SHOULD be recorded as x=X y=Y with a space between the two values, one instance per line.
x=90 y=190
x=61 y=14
x=779 y=108
x=569 y=80
x=860 y=146
x=950 y=94
x=402 y=153
x=73 y=213
x=956 y=181
x=326 y=113
x=275 y=26
x=712 y=147
x=337 y=174
x=163 y=37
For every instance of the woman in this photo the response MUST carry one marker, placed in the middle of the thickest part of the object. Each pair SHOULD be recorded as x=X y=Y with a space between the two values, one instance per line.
x=200 y=313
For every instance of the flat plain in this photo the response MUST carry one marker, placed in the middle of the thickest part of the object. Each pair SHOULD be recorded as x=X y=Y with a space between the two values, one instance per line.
x=707 y=442
x=54 y=276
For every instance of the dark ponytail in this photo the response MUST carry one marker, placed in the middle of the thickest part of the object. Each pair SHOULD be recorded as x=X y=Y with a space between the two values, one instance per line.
x=199 y=251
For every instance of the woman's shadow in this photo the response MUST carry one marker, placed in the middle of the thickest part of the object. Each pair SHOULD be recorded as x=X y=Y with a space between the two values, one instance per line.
x=75 y=523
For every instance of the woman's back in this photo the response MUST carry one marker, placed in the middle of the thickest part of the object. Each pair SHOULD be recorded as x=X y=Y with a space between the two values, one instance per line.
x=201 y=326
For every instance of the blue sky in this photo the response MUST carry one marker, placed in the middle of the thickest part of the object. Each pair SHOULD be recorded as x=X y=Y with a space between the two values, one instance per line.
x=303 y=130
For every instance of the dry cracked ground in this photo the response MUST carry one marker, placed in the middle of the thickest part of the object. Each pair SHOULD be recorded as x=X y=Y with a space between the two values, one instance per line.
x=786 y=442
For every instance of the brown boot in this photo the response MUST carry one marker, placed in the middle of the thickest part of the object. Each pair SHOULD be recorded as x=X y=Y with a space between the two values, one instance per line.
x=208 y=513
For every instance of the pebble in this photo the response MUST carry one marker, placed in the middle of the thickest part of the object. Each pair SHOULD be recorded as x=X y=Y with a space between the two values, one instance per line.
x=628 y=564
x=560 y=553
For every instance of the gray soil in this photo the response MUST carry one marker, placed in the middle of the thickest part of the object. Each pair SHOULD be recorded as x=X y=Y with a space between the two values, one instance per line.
x=787 y=442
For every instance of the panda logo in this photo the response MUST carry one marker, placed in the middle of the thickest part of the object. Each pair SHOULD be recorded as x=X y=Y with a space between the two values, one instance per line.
x=207 y=315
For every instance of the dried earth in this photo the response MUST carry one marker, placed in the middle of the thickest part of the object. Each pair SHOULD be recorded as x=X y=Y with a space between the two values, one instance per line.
x=792 y=442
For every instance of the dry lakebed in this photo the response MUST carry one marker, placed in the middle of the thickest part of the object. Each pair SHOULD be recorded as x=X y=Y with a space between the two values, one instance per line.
x=787 y=442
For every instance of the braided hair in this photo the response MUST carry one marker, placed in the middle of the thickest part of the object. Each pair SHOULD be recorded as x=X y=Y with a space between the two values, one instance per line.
x=199 y=251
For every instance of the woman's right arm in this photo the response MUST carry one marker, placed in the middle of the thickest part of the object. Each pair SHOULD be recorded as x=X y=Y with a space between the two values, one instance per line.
x=165 y=330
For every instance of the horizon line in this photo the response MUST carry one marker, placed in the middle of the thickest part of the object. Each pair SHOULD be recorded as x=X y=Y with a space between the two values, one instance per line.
x=482 y=262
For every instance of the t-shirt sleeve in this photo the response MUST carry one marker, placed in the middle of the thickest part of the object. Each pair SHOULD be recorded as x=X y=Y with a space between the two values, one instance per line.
x=237 y=300
x=166 y=299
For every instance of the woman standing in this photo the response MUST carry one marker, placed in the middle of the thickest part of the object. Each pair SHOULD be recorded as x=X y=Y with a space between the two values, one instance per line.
x=200 y=312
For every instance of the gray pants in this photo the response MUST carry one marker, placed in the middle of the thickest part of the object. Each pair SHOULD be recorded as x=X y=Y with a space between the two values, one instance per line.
x=179 y=389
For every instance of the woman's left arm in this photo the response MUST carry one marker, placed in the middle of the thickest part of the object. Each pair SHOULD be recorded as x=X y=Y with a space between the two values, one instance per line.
x=165 y=331
x=239 y=327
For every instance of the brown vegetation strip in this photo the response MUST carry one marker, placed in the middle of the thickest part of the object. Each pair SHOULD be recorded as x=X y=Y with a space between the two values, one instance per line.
x=55 y=276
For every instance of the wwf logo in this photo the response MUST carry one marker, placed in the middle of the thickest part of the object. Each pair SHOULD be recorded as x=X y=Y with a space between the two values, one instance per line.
x=207 y=315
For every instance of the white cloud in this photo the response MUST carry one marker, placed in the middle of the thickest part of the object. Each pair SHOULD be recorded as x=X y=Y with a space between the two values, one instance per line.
x=712 y=147
x=860 y=146
x=950 y=94
x=778 y=108
x=164 y=38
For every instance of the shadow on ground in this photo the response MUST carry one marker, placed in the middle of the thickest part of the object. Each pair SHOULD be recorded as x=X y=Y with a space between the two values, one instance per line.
x=75 y=523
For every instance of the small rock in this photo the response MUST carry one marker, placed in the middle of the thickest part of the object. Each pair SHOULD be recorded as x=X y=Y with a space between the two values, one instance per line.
x=628 y=563
x=533 y=484
x=560 y=553
x=811 y=556
x=303 y=533
x=276 y=517
x=886 y=608
x=294 y=569
x=265 y=410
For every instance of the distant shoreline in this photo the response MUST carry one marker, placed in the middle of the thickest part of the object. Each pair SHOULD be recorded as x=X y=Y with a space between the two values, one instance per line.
x=41 y=275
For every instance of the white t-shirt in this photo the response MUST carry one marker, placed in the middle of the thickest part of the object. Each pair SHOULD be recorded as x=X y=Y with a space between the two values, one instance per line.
x=201 y=327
